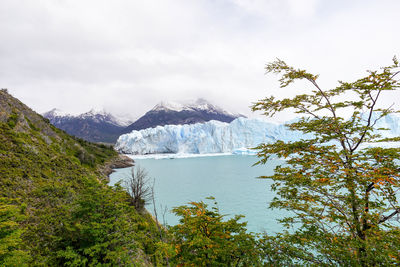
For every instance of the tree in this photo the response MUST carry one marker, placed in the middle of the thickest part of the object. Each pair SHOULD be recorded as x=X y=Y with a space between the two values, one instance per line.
x=339 y=184
x=139 y=188
x=202 y=238
x=102 y=230
x=11 y=252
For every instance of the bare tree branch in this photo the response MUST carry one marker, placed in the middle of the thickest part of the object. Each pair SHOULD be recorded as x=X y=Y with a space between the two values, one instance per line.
x=139 y=188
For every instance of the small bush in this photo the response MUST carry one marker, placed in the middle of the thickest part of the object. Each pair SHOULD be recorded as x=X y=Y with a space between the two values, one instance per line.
x=85 y=158
x=12 y=120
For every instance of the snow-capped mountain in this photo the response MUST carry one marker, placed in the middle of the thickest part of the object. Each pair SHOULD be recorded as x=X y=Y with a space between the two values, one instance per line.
x=101 y=126
x=219 y=137
x=94 y=125
x=199 y=104
x=170 y=113
x=103 y=116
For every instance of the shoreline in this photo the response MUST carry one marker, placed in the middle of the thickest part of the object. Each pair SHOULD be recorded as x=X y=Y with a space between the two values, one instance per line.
x=120 y=162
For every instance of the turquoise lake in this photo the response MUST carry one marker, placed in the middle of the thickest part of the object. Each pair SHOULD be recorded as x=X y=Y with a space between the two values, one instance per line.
x=231 y=179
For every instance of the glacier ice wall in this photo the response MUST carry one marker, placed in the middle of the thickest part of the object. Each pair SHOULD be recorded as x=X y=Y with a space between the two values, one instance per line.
x=219 y=137
x=201 y=138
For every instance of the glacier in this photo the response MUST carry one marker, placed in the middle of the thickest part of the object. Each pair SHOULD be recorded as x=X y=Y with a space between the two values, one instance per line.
x=237 y=137
x=204 y=138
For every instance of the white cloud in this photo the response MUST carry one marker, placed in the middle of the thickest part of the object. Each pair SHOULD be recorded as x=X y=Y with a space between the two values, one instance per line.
x=279 y=10
x=304 y=8
x=128 y=55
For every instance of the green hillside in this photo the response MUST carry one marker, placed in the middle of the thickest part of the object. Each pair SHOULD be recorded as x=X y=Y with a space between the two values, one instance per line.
x=55 y=206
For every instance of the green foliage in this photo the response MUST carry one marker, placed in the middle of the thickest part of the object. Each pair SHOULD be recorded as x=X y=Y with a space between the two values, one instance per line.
x=85 y=158
x=12 y=120
x=102 y=229
x=341 y=193
x=202 y=238
x=32 y=125
x=69 y=216
x=11 y=244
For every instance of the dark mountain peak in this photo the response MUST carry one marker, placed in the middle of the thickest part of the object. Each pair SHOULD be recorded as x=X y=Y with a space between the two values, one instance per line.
x=101 y=116
x=55 y=112
x=170 y=106
x=195 y=111
x=96 y=113
x=94 y=125
x=199 y=104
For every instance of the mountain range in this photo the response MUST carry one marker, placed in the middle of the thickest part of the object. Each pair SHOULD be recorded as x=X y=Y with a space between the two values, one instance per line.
x=94 y=126
x=101 y=126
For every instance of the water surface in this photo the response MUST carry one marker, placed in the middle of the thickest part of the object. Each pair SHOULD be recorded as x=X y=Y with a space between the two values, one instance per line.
x=231 y=179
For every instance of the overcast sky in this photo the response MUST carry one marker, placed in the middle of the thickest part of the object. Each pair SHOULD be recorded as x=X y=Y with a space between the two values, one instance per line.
x=125 y=56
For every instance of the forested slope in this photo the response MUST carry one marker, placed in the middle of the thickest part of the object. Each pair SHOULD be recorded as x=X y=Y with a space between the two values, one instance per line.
x=55 y=206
